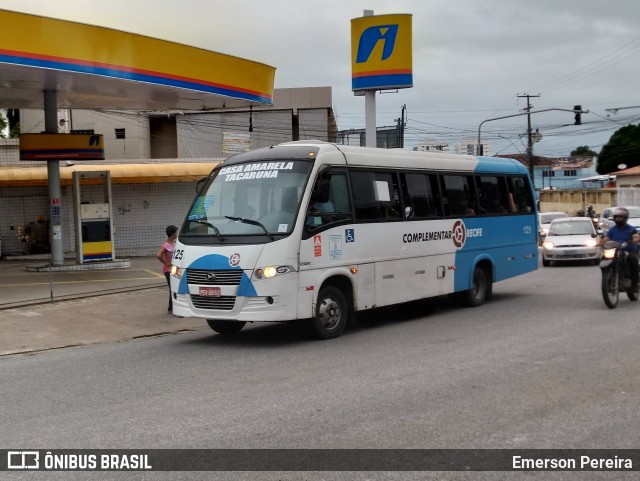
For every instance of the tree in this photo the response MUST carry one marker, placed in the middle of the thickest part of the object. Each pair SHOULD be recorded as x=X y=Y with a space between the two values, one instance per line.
x=583 y=151
x=13 y=116
x=623 y=148
x=3 y=126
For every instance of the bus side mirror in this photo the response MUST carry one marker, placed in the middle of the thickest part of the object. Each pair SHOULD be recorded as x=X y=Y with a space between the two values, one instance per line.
x=200 y=183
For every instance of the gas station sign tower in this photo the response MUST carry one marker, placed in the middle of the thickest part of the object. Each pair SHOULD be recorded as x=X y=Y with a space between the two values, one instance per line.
x=381 y=59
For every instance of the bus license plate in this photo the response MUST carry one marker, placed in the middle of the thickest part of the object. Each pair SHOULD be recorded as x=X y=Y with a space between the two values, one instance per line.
x=210 y=291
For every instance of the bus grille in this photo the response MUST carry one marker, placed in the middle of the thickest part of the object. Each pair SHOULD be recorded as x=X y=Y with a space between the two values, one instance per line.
x=214 y=277
x=222 y=303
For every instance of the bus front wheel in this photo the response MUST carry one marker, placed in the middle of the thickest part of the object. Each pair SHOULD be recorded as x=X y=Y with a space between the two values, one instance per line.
x=332 y=313
x=225 y=327
x=480 y=289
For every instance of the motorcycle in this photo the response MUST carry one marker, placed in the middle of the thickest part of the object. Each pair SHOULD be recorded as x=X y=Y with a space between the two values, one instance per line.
x=615 y=274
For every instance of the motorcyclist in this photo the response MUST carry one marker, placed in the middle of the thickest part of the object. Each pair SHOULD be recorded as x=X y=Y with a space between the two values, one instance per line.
x=625 y=234
x=591 y=213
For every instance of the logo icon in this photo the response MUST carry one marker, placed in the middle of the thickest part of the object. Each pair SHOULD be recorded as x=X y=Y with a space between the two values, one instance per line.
x=370 y=38
x=349 y=235
x=210 y=276
x=23 y=460
x=234 y=260
x=459 y=234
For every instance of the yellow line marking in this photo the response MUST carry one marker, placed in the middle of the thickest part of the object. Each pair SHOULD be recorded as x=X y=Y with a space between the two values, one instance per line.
x=153 y=273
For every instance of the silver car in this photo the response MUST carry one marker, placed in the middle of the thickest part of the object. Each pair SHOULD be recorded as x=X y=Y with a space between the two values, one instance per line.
x=544 y=221
x=606 y=219
x=571 y=239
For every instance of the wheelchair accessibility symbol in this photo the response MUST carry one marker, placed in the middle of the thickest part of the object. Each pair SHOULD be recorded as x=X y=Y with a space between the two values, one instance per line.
x=349 y=235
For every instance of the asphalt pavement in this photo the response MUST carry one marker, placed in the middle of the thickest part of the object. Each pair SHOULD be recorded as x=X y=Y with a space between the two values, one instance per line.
x=50 y=310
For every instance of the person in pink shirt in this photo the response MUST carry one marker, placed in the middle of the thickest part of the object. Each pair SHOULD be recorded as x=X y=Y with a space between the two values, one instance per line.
x=165 y=254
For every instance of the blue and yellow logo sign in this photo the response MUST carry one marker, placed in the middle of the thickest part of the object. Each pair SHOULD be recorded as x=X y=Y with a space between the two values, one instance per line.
x=381 y=52
x=61 y=146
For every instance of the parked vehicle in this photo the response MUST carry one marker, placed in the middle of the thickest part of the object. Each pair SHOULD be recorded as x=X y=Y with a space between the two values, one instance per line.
x=544 y=221
x=606 y=219
x=615 y=274
x=571 y=239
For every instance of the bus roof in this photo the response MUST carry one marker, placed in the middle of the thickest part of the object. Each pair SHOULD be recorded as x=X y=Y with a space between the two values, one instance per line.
x=375 y=157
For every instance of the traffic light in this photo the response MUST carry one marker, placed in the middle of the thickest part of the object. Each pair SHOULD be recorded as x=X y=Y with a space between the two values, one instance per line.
x=481 y=149
x=578 y=116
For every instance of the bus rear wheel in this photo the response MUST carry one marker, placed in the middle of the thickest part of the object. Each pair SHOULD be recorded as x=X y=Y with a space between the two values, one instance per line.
x=332 y=313
x=480 y=289
x=225 y=327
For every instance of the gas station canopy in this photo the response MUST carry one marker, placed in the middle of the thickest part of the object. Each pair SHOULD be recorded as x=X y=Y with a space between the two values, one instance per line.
x=96 y=67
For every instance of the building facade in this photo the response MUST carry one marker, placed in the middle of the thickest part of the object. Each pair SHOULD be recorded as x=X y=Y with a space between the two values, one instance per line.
x=182 y=146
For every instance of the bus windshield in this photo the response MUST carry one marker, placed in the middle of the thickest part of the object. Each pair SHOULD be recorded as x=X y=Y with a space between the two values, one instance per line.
x=248 y=199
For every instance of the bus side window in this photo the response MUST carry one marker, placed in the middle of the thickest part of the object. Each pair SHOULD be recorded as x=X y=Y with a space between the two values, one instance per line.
x=521 y=195
x=376 y=195
x=492 y=194
x=460 y=196
x=419 y=199
x=329 y=202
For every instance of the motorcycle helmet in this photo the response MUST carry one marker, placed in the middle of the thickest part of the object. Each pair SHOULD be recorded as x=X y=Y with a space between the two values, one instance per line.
x=620 y=216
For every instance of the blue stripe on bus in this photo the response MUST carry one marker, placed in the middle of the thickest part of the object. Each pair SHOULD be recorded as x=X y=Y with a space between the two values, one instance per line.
x=497 y=165
x=217 y=262
x=501 y=243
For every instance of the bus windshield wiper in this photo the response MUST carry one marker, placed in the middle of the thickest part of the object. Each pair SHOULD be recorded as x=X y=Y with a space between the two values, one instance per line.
x=209 y=224
x=252 y=222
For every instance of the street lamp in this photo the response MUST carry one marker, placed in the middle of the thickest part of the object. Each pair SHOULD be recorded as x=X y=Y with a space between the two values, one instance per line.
x=615 y=110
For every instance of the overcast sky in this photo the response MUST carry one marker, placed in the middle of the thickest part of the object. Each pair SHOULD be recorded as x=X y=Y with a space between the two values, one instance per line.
x=471 y=58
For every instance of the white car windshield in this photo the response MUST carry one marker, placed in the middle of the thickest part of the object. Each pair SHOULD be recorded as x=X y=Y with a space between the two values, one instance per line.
x=571 y=228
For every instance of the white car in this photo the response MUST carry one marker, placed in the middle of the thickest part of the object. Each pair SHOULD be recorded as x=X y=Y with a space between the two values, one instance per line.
x=571 y=239
x=544 y=221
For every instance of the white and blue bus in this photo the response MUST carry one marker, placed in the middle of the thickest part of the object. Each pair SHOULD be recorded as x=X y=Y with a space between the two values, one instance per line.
x=318 y=231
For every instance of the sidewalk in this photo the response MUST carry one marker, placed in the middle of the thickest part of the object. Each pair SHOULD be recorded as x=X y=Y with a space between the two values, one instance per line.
x=107 y=318
x=91 y=308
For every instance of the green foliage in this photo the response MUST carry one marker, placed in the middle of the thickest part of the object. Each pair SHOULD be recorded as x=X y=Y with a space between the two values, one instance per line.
x=3 y=126
x=623 y=148
x=13 y=116
x=14 y=131
x=583 y=151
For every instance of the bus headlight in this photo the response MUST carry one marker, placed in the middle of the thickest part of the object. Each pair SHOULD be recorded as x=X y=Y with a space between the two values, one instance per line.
x=272 y=271
x=176 y=271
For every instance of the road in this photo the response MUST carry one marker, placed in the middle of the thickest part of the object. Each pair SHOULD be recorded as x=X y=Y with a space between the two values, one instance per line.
x=543 y=365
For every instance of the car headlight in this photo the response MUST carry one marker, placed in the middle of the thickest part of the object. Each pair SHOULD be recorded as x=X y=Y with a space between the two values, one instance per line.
x=591 y=243
x=272 y=271
x=176 y=271
x=609 y=253
x=548 y=245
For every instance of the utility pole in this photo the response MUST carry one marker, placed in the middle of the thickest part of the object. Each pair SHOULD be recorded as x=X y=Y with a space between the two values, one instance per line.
x=529 y=135
x=400 y=127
